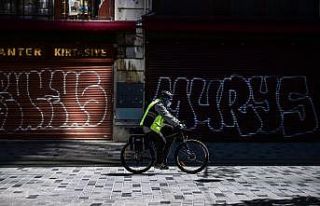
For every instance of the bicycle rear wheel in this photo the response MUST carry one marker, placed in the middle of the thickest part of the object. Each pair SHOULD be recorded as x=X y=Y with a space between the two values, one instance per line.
x=137 y=159
x=192 y=156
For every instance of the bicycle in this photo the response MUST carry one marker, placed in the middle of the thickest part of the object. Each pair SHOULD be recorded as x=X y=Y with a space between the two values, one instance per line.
x=138 y=155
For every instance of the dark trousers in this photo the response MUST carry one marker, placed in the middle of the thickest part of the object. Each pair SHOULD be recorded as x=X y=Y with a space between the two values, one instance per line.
x=163 y=143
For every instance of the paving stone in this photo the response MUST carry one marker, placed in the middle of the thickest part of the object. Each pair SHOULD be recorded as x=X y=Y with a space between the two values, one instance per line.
x=157 y=188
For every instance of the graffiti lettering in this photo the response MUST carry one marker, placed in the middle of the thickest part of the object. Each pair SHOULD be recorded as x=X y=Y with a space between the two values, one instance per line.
x=255 y=105
x=51 y=99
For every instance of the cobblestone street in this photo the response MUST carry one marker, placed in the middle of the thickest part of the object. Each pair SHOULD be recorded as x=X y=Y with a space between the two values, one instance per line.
x=93 y=186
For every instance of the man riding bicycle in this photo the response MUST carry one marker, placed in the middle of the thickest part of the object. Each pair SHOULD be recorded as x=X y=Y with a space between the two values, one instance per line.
x=161 y=125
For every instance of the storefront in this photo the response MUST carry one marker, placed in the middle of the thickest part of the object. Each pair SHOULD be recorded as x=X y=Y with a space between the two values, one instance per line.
x=236 y=80
x=56 y=80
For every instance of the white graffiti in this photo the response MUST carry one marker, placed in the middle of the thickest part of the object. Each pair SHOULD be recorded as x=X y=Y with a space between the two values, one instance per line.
x=254 y=105
x=52 y=99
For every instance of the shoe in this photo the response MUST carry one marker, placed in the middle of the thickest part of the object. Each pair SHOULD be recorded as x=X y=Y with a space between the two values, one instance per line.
x=161 y=166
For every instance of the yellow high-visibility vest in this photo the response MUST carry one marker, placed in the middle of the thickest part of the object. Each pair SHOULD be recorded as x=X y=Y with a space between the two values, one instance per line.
x=158 y=122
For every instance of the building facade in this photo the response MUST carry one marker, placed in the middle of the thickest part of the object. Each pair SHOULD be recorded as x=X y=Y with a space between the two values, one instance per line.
x=84 y=69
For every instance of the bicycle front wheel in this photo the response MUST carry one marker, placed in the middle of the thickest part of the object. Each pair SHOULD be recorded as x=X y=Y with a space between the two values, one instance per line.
x=137 y=159
x=192 y=156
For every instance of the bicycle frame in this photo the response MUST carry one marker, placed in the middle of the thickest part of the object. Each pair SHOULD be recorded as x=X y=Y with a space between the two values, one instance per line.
x=183 y=136
x=142 y=142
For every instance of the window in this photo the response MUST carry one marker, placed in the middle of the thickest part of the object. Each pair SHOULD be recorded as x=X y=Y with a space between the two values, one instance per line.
x=58 y=9
x=7 y=6
x=87 y=9
x=26 y=8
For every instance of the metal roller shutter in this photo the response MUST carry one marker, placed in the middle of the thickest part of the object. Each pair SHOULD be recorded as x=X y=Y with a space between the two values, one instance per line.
x=56 y=102
x=227 y=88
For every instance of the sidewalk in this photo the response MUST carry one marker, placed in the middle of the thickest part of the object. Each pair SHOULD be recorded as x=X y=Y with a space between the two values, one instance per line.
x=81 y=152
x=113 y=186
x=59 y=152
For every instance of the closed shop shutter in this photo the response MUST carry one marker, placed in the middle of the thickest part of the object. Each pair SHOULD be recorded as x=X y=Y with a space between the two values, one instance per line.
x=56 y=78
x=236 y=88
x=56 y=102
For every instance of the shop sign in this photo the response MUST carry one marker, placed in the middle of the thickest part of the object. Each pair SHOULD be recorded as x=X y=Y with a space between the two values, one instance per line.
x=90 y=52
x=20 y=52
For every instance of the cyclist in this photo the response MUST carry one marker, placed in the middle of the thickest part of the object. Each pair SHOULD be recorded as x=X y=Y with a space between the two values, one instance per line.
x=161 y=125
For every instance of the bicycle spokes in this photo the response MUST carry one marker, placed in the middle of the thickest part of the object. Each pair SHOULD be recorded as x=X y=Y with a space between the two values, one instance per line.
x=137 y=159
x=191 y=156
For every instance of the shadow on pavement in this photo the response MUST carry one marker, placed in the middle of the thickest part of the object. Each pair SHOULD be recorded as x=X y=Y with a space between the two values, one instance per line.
x=263 y=153
x=95 y=152
x=59 y=152
x=221 y=172
x=143 y=174
x=295 y=201
x=207 y=180
x=119 y=174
